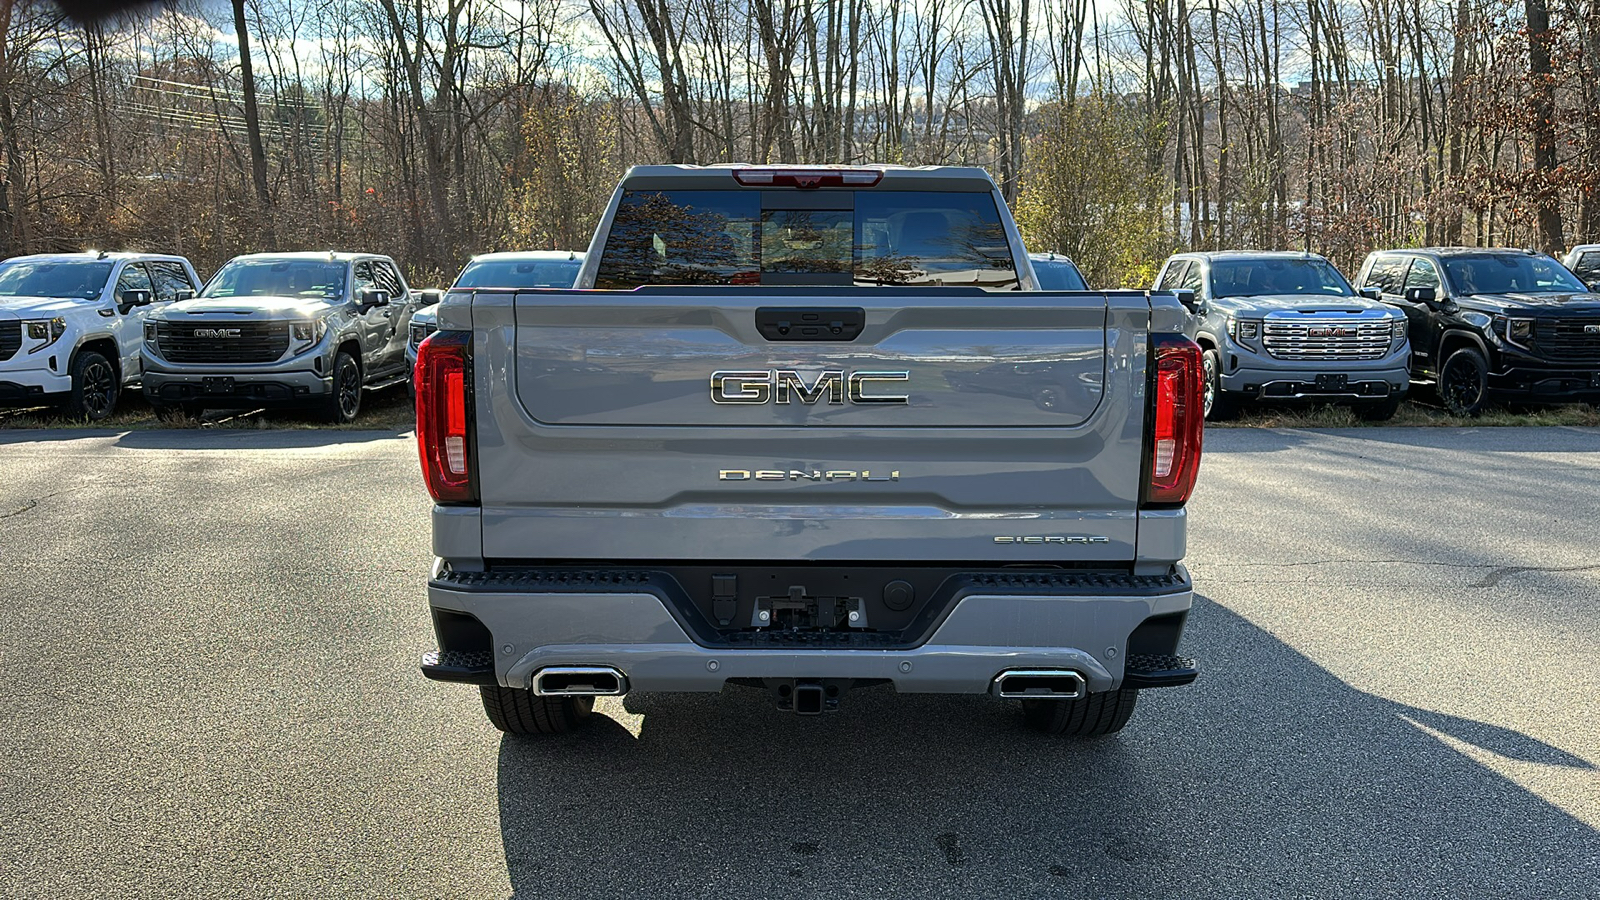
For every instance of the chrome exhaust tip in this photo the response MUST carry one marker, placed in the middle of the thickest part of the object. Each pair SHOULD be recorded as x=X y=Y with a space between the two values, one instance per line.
x=1039 y=684
x=580 y=681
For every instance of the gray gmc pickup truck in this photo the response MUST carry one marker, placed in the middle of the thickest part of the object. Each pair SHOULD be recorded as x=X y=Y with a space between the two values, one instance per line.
x=784 y=434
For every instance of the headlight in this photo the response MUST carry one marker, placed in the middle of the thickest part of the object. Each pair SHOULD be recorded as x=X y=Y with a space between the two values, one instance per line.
x=46 y=330
x=1244 y=329
x=149 y=332
x=1397 y=328
x=310 y=332
x=1519 y=332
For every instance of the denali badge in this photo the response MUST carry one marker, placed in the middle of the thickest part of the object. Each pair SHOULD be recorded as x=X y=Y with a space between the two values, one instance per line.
x=1053 y=539
x=804 y=475
x=1591 y=329
x=789 y=386
x=216 y=332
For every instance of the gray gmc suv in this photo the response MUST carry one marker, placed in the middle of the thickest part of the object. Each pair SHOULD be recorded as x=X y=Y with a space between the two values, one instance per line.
x=1288 y=327
x=282 y=329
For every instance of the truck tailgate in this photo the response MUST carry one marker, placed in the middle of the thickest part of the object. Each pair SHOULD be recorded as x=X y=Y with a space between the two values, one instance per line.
x=678 y=423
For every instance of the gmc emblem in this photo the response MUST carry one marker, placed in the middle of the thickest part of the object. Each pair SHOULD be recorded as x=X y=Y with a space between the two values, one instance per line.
x=216 y=332
x=784 y=386
x=1591 y=329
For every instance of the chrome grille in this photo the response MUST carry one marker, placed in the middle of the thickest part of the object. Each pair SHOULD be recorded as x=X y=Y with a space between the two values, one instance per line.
x=1325 y=339
x=256 y=342
x=1564 y=340
x=10 y=339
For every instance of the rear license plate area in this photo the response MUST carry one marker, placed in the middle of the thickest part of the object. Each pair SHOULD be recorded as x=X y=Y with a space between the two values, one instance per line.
x=1332 y=383
x=218 y=385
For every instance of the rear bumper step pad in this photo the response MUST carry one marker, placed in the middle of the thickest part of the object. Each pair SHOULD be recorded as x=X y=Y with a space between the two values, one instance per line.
x=458 y=666
x=1146 y=670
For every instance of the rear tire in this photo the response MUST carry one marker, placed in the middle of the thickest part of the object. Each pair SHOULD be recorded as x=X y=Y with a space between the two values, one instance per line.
x=343 y=405
x=1096 y=715
x=523 y=712
x=96 y=385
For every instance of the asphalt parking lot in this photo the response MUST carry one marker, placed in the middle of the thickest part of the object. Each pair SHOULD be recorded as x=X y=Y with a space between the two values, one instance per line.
x=209 y=680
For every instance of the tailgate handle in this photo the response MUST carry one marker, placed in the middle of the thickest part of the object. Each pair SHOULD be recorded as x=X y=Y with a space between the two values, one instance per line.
x=810 y=323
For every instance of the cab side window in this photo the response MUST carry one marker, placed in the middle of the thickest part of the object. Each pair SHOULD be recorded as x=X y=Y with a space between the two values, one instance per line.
x=364 y=278
x=133 y=278
x=1588 y=266
x=1386 y=274
x=1173 y=275
x=169 y=278
x=388 y=279
x=1191 y=279
x=1422 y=275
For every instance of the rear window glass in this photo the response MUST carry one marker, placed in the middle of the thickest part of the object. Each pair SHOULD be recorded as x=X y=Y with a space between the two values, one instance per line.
x=726 y=237
x=519 y=273
x=1055 y=275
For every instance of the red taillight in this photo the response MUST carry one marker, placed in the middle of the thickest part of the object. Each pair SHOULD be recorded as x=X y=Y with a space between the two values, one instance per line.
x=444 y=420
x=808 y=177
x=1178 y=422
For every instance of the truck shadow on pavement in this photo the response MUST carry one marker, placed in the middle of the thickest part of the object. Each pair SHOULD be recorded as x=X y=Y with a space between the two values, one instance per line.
x=1269 y=777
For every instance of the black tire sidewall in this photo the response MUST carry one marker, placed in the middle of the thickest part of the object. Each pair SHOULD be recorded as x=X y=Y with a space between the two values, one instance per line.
x=1482 y=367
x=81 y=363
x=336 y=412
x=1222 y=406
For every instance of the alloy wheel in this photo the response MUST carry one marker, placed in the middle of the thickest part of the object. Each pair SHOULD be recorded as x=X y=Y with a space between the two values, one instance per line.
x=1208 y=362
x=99 y=389
x=349 y=388
x=1459 y=385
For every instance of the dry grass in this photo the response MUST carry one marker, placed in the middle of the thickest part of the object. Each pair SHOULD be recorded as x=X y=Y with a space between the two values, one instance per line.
x=387 y=410
x=1412 y=413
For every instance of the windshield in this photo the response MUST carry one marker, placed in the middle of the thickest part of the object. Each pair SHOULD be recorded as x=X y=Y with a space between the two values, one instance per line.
x=83 y=280
x=519 y=273
x=1276 y=275
x=1508 y=273
x=870 y=238
x=278 y=278
x=1058 y=275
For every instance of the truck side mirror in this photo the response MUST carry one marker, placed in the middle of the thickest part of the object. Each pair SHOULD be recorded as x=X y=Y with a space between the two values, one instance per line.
x=1372 y=292
x=367 y=298
x=1422 y=295
x=134 y=297
x=183 y=295
x=1188 y=299
x=429 y=297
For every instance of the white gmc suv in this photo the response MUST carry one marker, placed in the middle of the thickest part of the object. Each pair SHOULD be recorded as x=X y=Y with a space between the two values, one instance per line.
x=71 y=325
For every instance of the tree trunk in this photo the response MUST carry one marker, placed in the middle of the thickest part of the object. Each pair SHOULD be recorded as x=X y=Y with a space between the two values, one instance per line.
x=1542 y=99
x=252 y=124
